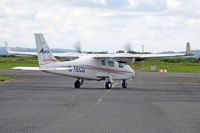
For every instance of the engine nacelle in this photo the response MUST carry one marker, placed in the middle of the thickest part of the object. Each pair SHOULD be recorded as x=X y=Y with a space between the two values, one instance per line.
x=127 y=61
x=131 y=61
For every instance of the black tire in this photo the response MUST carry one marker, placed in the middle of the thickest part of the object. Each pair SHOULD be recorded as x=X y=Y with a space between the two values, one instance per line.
x=108 y=85
x=124 y=84
x=77 y=84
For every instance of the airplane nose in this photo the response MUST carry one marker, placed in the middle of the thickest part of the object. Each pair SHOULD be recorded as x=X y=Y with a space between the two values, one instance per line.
x=132 y=72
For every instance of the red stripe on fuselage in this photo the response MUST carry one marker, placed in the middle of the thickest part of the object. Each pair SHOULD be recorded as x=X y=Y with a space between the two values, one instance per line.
x=107 y=70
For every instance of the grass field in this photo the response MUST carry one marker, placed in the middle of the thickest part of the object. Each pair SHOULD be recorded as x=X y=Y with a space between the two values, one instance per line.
x=4 y=78
x=170 y=64
x=9 y=62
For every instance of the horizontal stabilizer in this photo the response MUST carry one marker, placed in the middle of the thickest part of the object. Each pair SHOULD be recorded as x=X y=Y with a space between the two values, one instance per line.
x=27 y=68
x=39 y=69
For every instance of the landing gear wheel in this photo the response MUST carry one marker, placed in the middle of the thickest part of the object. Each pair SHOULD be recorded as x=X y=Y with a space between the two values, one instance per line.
x=124 y=84
x=77 y=84
x=108 y=85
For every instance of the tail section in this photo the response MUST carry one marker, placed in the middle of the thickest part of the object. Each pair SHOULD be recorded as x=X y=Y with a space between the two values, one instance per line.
x=8 y=50
x=44 y=53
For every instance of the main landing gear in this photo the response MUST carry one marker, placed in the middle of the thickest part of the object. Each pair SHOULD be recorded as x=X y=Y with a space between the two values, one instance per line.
x=108 y=85
x=78 y=83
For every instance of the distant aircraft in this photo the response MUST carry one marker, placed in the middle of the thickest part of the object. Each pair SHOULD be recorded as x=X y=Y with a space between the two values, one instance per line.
x=108 y=67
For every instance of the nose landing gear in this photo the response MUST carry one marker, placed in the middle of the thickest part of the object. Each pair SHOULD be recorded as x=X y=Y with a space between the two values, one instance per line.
x=108 y=85
x=124 y=84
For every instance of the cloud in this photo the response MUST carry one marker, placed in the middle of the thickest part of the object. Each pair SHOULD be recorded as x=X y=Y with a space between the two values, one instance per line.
x=132 y=2
x=99 y=23
x=103 y=2
x=174 y=4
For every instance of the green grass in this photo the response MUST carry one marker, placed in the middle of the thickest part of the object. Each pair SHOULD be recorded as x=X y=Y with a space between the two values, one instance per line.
x=10 y=62
x=171 y=64
x=14 y=61
x=4 y=78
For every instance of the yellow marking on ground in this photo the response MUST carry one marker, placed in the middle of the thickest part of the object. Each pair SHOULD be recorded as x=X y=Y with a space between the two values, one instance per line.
x=115 y=84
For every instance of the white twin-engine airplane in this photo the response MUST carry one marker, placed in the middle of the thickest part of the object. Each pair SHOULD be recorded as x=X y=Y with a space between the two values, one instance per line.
x=108 y=67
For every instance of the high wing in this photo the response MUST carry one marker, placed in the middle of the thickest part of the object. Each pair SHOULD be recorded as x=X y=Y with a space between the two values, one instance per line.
x=9 y=51
x=125 y=57
x=122 y=57
x=68 y=55
x=22 y=53
x=130 y=58
x=116 y=55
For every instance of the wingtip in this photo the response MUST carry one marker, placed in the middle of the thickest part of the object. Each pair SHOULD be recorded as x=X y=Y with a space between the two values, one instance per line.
x=188 y=49
x=8 y=50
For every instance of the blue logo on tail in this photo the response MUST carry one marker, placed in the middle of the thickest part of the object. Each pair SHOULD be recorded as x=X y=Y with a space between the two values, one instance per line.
x=43 y=51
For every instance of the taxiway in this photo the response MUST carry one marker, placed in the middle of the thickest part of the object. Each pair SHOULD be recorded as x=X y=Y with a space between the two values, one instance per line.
x=153 y=103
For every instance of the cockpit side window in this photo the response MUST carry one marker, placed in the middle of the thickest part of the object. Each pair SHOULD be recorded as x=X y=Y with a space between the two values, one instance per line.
x=111 y=63
x=103 y=62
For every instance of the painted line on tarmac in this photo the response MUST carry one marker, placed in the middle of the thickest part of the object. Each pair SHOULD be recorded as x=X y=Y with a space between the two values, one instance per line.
x=115 y=84
x=106 y=93
x=101 y=98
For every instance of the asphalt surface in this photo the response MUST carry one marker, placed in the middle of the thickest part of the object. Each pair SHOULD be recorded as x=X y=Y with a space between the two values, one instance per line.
x=37 y=102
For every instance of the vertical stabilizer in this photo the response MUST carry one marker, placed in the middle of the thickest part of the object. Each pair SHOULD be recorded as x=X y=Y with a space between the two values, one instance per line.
x=44 y=53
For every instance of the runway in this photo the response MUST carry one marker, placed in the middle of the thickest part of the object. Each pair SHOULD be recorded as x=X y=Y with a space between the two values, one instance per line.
x=36 y=102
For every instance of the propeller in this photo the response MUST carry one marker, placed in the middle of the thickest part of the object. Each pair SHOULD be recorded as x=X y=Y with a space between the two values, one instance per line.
x=128 y=47
x=77 y=46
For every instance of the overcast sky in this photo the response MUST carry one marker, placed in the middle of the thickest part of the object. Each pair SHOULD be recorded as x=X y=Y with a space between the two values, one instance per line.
x=159 y=25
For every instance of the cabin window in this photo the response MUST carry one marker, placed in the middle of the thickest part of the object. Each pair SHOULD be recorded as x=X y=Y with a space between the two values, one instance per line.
x=103 y=62
x=121 y=65
x=111 y=63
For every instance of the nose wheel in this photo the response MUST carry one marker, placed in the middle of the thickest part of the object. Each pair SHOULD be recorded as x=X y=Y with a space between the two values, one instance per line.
x=108 y=85
x=124 y=84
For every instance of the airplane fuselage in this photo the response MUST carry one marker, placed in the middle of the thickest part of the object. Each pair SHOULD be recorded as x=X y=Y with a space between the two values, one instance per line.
x=93 y=69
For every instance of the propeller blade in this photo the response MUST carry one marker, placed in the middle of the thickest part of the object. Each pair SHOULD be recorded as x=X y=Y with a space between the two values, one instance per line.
x=128 y=47
x=77 y=46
